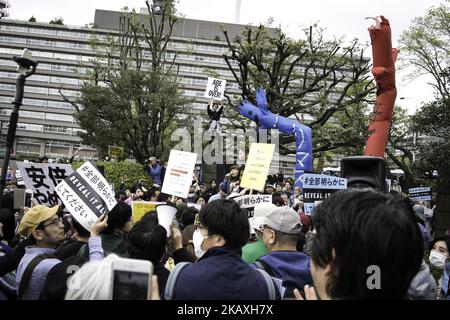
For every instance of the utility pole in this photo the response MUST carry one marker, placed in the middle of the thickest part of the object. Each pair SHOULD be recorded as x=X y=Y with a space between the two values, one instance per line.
x=26 y=67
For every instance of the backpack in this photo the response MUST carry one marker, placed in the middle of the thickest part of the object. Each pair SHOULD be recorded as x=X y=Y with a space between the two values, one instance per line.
x=285 y=286
x=173 y=277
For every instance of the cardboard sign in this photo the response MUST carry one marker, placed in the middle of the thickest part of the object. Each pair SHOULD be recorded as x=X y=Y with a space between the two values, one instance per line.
x=140 y=208
x=249 y=201
x=179 y=172
x=115 y=152
x=215 y=88
x=257 y=166
x=86 y=194
x=42 y=179
x=418 y=194
x=317 y=187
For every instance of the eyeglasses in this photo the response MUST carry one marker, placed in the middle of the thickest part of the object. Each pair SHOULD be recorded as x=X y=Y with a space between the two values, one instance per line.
x=55 y=222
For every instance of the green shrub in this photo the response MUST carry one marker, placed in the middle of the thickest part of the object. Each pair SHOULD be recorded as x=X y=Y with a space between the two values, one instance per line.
x=131 y=173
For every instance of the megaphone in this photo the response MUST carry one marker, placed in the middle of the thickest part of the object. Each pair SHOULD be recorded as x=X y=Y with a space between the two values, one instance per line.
x=166 y=213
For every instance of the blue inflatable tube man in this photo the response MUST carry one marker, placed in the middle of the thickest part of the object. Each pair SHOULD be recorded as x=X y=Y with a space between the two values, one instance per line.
x=267 y=120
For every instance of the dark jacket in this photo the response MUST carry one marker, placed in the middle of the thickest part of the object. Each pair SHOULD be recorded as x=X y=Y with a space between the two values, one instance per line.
x=10 y=258
x=220 y=274
x=215 y=115
x=288 y=264
x=111 y=243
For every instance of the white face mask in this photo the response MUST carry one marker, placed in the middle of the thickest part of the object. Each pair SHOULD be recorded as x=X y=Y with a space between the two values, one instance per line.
x=437 y=259
x=197 y=240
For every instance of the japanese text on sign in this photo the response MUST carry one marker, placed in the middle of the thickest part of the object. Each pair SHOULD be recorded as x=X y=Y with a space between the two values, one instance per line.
x=43 y=178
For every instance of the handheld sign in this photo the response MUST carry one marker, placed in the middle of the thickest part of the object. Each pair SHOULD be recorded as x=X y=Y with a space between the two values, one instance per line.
x=115 y=152
x=86 y=194
x=179 y=172
x=215 y=88
x=257 y=166
x=250 y=201
x=42 y=179
x=140 y=208
x=422 y=193
x=317 y=187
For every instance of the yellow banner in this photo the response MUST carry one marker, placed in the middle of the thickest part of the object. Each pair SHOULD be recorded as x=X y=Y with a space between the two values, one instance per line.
x=140 y=208
x=115 y=152
x=257 y=166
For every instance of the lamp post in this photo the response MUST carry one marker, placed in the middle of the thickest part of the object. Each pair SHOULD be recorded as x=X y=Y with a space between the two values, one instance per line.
x=26 y=67
x=155 y=8
x=414 y=133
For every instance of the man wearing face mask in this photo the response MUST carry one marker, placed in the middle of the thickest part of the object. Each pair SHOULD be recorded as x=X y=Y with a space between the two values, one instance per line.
x=440 y=259
x=220 y=273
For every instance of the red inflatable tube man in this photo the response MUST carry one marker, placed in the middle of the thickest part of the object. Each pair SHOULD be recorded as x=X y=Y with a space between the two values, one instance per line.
x=384 y=57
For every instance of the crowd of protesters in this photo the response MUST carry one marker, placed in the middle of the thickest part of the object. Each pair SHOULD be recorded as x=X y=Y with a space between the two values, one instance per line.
x=218 y=250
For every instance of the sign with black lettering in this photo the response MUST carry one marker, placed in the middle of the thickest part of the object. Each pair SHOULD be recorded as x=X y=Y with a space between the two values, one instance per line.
x=215 y=88
x=86 y=194
x=42 y=179
x=317 y=187
x=249 y=201
x=418 y=194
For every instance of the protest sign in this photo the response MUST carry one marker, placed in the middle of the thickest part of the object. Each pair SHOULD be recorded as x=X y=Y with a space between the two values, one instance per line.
x=115 y=152
x=140 y=208
x=86 y=194
x=215 y=88
x=179 y=172
x=418 y=194
x=42 y=179
x=249 y=201
x=317 y=187
x=257 y=166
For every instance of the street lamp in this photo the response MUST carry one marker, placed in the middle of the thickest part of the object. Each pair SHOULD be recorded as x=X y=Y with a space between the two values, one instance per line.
x=414 y=133
x=153 y=7
x=26 y=67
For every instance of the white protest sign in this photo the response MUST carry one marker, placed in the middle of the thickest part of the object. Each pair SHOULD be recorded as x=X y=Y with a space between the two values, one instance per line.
x=42 y=179
x=86 y=194
x=317 y=187
x=215 y=88
x=179 y=172
x=249 y=201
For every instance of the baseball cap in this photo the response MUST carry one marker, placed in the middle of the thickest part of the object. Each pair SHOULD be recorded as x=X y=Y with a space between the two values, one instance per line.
x=34 y=217
x=284 y=219
x=259 y=215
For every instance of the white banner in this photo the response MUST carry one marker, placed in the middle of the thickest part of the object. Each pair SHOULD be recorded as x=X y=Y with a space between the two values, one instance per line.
x=179 y=172
x=42 y=179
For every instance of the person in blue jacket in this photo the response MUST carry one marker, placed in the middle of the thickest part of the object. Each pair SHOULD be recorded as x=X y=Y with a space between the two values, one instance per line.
x=154 y=171
x=220 y=273
x=280 y=235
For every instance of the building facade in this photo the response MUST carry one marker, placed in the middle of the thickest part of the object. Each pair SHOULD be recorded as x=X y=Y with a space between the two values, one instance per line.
x=46 y=122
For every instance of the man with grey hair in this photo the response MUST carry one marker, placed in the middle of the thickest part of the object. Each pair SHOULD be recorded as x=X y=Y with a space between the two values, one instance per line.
x=280 y=235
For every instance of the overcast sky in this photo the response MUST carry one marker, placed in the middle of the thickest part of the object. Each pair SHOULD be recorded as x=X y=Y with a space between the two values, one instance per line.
x=341 y=18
